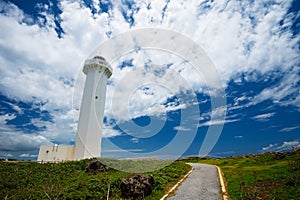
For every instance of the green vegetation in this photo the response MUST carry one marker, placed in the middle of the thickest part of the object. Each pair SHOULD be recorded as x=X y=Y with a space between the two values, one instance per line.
x=265 y=176
x=30 y=180
x=137 y=165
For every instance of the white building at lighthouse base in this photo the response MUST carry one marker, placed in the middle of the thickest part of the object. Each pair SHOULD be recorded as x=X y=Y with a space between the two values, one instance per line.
x=56 y=153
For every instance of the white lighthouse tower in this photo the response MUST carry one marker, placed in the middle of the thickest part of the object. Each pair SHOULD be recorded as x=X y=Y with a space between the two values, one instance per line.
x=89 y=130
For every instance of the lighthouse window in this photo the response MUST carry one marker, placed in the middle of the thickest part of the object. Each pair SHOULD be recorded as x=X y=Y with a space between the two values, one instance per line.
x=96 y=97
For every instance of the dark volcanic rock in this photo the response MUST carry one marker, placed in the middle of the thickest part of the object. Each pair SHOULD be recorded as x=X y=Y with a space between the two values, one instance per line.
x=137 y=186
x=95 y=167
x=278 y=155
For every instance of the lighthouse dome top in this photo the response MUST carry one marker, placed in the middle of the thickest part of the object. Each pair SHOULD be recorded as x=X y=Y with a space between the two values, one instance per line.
x=99 y=57
x=98 y=62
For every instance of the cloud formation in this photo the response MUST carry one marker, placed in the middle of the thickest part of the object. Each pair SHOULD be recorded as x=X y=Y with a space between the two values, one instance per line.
x=239 y=36
x=285 y=146
x=12 y=139
x=263 y=117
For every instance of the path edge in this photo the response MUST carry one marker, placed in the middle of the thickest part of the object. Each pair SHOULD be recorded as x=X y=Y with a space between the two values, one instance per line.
x=222 y=184
x=177 y=184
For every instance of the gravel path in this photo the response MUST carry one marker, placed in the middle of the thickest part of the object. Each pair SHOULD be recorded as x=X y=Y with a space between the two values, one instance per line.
x=201 y=184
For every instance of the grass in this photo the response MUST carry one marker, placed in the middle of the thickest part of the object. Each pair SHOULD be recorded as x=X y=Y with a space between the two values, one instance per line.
x=260 y=176
x=30 y=180
x=248 y=177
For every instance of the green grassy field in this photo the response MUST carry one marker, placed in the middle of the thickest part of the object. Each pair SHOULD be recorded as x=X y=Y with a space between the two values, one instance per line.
x=30 y=180
x=260 y=176
x=248 y=177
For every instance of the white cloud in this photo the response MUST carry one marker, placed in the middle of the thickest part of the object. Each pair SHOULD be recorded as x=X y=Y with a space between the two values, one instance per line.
x=287 y=129
x=27 y=155
x=218 y=116
x=238 y=136
x=284 y=147
x=217 y=122
x=110 y=132
x=288 y=145
x=14 y=139
x=135 y=140
x=5 y=118
x=19 y=141
x=5 y=155
x=263 y=117
x=238 y=36
x=238 y=100
x=280 y=92
x=269 y=147
x=181 y=128
x=144 y=90
x=15 y=107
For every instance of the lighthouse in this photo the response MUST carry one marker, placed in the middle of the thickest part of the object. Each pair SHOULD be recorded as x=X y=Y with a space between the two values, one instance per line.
x=89 y=130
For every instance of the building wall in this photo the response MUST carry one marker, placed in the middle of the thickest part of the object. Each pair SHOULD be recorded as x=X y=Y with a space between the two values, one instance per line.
x=56 y=153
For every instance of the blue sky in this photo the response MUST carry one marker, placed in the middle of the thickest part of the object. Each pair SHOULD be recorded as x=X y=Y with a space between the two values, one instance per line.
x=254 y=46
